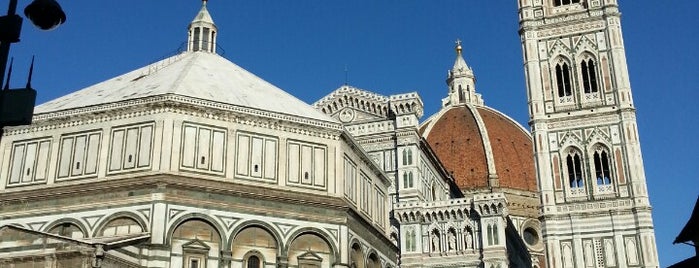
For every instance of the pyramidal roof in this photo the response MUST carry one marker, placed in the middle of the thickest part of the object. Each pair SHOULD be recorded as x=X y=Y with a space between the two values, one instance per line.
x=200 y=75
x=197 y=74
x=460 y=66
x=203 y=15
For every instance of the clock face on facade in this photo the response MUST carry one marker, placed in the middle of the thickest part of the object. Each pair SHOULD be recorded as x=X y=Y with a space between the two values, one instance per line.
x=346 y=115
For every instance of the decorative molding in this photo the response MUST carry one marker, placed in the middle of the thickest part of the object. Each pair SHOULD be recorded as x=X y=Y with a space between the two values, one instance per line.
x=172 y=213
x=183 y=106
x=92 y=220
x=145 y=213
x=228 y=221
x=334 y=233
x=284 y=228
x=37 y=226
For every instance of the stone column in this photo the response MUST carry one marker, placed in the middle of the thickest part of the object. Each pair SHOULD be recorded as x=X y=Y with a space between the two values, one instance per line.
x=226 y=258
x=282 y=262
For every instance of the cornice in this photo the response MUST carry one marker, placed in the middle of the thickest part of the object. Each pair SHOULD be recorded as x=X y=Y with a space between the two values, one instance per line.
x=158 y=184
x=181 y=106
x=188 y=100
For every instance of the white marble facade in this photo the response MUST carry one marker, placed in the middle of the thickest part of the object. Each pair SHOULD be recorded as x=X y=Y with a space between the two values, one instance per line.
x=160 y=167
x=212 y=179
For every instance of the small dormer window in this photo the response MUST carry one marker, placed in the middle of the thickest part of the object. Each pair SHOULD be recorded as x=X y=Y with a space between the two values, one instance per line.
x=565 y=2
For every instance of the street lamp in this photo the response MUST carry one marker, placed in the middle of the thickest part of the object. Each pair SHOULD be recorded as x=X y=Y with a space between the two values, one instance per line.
x=17 y=105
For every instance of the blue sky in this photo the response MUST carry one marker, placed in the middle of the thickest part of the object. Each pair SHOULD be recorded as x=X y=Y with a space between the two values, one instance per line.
x=394 y=46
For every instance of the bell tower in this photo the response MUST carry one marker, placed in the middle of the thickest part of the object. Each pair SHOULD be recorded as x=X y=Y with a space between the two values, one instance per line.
x=595 y=209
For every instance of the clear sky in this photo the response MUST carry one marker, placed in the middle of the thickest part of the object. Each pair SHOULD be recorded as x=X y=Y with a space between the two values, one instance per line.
x=394 y=46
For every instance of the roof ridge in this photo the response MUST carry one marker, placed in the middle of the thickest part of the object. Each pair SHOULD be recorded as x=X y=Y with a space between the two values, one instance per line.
x=184 y=72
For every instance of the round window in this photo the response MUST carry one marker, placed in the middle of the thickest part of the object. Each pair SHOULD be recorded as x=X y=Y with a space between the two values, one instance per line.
x=531 y=236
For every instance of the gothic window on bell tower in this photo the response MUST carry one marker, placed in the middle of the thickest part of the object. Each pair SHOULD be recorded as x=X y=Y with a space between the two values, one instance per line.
x=575 y=175
x=589 y=76
x=563 y=84
x=603 y=175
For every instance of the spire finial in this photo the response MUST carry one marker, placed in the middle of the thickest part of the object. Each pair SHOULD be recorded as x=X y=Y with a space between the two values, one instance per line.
x=458 y=46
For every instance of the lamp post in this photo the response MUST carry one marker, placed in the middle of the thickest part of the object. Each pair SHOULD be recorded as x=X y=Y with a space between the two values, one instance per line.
x=17 y=105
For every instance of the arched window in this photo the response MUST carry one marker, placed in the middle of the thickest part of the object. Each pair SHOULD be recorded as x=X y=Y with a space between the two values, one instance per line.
x=490 y=235
x=602 y=170
x=496 y=237
x=410 y=157
x=589 y=76
x=574 y=165
x=405 y=180
x=410 y=240
x=563 y=80
x=405 y=157
x=410 y=180
x=253 y=262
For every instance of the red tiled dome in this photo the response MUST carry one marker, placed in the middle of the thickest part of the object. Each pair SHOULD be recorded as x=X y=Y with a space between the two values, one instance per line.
x=456 y=134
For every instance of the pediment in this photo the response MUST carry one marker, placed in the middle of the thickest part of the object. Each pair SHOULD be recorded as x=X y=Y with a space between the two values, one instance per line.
x=569 y=138
x=585 y=44
x=310 y=256
x=559 y=48
x=598 y=135
x=196 y=244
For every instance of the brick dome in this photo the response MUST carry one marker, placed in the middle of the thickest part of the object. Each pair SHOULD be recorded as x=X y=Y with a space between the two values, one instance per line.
x=475 y=143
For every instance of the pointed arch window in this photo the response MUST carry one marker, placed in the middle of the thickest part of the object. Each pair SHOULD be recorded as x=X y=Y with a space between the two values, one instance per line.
x=575 y=176
x=410 y=240
x=563 y=80
x=410 y=157
x=496 y=239
x=405 y=157
x=602 y=171
x=408 y=180
x=589 y=76
x=492 y=232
